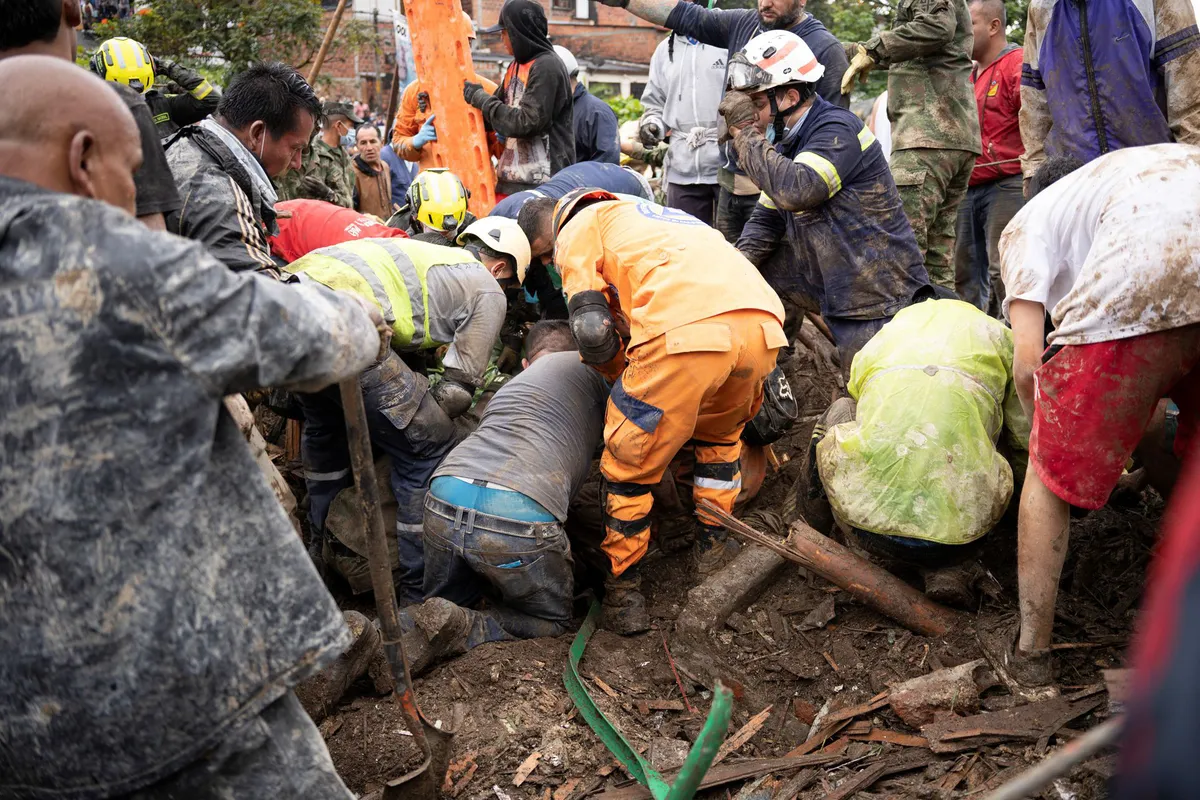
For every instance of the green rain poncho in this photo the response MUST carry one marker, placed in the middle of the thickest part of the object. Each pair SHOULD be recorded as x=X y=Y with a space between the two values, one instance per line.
x=934 y=391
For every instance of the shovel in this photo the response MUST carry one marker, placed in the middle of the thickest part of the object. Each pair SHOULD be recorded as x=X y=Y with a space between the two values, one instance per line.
x=423 y=782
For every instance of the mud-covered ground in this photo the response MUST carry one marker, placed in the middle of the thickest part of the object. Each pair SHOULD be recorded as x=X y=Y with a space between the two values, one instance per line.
x=513 y=703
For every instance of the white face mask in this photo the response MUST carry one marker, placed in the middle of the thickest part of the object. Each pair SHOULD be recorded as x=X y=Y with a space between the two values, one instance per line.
x=262 y=147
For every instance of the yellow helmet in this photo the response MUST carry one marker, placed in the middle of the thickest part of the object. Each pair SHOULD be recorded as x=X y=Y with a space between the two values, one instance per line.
x=123 y=60
x=438 y=199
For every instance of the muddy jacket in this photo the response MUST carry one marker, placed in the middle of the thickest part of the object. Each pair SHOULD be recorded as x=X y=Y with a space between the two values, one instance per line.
x=684 y=90
x=928 y=57
x=154 y=594
x=173 y=111
x=221 y=205
x=1105 y=74
x=827 y=190
x=935 y=393
x=532 y=110
x=733 y=28
x=596 y=137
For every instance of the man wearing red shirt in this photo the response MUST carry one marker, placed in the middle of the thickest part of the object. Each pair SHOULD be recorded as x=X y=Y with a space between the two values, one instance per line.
x=307 y=225
x=994 y=192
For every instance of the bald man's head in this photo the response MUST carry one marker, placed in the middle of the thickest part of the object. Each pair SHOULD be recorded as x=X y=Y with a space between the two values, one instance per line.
x=84 y=141
x=989 y=22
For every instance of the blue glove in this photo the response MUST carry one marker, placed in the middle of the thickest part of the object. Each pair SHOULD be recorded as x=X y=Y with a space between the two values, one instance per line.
x=427 y=133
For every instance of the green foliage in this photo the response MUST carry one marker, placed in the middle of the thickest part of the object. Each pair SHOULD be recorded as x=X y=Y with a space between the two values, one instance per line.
x=627 y=108
x=226 y=35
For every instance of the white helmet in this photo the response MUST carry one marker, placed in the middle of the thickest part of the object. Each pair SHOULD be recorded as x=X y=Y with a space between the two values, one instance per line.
x=503 y=235
x=568 y=60
x=773 y=59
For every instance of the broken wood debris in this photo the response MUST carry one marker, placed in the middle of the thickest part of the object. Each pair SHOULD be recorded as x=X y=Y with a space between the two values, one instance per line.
x=528 y=766
x=865 y=581
x=1029 y=723
x=744 y=734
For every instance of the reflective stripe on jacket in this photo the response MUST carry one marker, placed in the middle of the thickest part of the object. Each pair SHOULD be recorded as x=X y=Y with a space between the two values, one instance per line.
x=387 y=274
x=829 y=196
x=429 y=293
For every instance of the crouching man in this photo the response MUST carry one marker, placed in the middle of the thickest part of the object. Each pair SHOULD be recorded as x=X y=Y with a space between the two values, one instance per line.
x=430 y=295
x=1112 y=252
x=703 y=328
x=913 y=471
x=494 y=513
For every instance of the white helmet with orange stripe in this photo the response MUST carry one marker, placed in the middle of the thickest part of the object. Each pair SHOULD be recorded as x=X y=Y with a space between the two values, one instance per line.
x=771 y=61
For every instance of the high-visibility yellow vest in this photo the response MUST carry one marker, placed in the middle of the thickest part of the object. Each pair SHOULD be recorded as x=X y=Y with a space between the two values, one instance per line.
x=389 y=272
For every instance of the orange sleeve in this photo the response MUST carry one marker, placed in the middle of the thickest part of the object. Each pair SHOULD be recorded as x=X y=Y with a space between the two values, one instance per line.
x=579 y=256
x=408 y=122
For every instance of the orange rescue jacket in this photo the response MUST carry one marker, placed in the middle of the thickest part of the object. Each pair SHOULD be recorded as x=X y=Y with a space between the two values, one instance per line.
x=410 y=118
x=659 y=267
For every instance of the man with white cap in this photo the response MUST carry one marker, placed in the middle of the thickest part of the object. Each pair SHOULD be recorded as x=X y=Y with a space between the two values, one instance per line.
x=596 y=137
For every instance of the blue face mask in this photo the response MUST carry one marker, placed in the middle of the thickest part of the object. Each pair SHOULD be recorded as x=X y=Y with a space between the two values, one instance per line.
x=771 y=134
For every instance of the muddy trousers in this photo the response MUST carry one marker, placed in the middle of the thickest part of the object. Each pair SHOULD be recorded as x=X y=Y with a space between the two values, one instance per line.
x=932 y=184
x=405 y=422
x=524 y=570
x=699 y=384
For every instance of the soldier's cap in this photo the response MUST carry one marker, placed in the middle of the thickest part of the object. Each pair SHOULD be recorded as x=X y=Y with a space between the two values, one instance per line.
x=341 y=110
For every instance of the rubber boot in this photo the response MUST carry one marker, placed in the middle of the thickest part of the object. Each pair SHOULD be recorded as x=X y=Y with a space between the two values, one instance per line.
x=710 y=552
x=352 y=664
x=954 y=585
x=439 y=630
x=624 y=606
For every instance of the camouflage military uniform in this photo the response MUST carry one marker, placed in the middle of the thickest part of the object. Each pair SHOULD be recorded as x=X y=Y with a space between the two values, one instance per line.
x=935 y=121
x=329 y=165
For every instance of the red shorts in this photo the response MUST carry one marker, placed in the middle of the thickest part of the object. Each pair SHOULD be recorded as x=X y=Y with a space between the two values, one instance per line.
x=1092 y=403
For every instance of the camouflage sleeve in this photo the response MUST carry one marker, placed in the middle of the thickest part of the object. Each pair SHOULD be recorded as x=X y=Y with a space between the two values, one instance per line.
x=932 y=27
x=1177 y=54
x=335 y=176
x=1035 y=111
x=218 y=213
x=238 y=332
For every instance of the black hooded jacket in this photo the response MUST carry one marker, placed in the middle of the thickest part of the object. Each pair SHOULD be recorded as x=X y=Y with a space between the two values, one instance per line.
x=532 y=107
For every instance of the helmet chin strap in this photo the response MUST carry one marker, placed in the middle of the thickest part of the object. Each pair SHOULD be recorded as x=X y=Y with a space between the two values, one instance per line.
x=779 y=115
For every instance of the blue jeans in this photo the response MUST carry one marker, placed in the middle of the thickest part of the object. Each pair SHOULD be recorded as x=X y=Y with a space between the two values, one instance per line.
x=852 y=335
x=914 y=552
x=982 y=217
x=524 y=569
x=405 y=422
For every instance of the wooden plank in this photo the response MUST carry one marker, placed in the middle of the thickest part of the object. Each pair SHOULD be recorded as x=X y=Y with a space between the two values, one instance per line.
x=744 y=734
x=892 y=737
x=527 y=767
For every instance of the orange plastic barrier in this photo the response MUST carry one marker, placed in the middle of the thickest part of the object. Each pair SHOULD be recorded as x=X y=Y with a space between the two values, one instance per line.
x=442 y=54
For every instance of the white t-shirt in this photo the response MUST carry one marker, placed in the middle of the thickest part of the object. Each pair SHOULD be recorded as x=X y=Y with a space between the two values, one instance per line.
x=1113 y=249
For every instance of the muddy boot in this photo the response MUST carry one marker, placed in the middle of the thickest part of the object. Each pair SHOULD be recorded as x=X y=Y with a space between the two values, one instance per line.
x=624 y=607
x=711 y=550
x=954 y=585
x=1027 y=674
x=354 y=663
x=439 y=630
